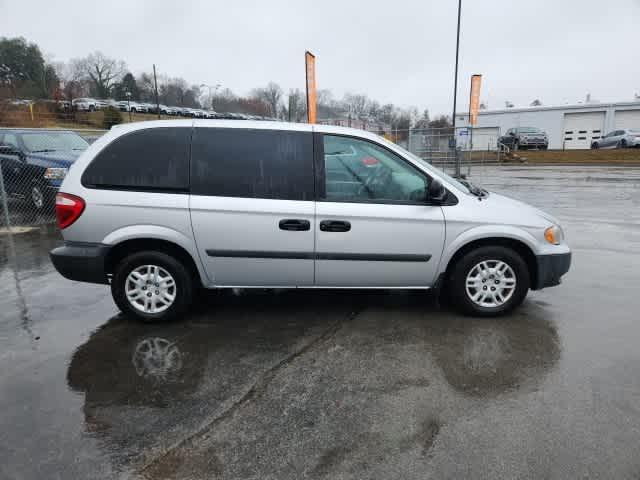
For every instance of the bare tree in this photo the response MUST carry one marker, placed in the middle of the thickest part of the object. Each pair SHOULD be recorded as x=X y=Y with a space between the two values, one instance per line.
x=536 y=103
x=297 y=107
x=146 y=87
x=271 y=95
x=357 y=104
x=101 y=72
x=71 y=81
x=508 y=104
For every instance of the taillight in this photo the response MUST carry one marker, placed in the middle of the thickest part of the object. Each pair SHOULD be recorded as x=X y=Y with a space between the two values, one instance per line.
x=68 y=209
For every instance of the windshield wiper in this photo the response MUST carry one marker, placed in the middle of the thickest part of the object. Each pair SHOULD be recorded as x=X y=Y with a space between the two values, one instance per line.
x=44 y=150
x=473 y=189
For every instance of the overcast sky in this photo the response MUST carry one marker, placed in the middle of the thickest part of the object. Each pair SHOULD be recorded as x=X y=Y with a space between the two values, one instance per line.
x=394 y=51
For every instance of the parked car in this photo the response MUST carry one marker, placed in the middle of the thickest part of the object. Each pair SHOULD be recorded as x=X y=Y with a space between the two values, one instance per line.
x=34 y=162
x=525 y=137
x=101 y=104
x=150 y=107
x=123 y=105
x=626 y=138
x=173 y=111
x=84 y=104
x=164 y=110
x=256 y=204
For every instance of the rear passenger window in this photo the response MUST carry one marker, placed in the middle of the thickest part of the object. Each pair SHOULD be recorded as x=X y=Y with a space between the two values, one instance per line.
x=148 y=159
x=235 y=162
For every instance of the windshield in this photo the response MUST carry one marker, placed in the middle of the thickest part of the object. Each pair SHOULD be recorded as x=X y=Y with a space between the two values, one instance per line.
x=53 y=141
x=529 y=130
x=428 y=166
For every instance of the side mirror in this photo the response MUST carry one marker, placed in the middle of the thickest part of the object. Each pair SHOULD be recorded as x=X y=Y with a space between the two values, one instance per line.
x=512 y=134
x=437 y=192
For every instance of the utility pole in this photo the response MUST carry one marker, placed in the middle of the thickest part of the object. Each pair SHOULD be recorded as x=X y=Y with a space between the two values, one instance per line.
x=128 y=94
x=455 y=96
x=155 y=83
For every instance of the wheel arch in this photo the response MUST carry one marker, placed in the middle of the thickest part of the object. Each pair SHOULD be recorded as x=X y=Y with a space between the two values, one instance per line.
x=133 y=245
x=515 y=244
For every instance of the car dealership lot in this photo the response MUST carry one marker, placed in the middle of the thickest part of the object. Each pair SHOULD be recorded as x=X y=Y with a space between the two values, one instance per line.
x=288 y=384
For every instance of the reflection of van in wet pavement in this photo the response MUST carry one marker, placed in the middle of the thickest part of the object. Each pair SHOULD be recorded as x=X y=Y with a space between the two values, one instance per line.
x=158 y=209
x=275 y=361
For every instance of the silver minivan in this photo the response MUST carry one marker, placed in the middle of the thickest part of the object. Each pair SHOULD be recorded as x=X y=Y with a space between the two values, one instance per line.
x=159 y=209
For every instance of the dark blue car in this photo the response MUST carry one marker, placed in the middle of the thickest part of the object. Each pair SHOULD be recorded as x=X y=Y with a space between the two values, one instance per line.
x=34 y=162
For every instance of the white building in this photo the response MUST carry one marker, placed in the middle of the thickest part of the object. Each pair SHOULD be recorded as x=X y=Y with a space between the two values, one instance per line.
x=568 y=126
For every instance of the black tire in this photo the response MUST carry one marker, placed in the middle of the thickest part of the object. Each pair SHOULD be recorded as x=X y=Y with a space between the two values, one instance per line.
x=457 y=280
x=544 y=147
x=184 y=285
x=623 y=144
x=595 y=146
x=92 y=108
x=516 y=146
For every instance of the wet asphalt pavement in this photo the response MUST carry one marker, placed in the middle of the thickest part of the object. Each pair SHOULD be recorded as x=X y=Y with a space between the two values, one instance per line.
x=287 y=385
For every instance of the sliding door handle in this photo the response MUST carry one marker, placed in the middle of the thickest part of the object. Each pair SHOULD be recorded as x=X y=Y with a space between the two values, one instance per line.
x=294 y=224
x=335 y=226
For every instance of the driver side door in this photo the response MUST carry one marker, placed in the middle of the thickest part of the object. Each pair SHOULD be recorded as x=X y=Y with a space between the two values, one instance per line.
x=374 y=227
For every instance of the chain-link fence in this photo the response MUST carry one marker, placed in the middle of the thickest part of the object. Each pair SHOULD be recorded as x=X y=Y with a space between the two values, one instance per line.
x=33 y=163
x=442 y=148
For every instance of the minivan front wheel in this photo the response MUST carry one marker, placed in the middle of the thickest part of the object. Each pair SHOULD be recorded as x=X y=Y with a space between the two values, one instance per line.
x=489 y=281
x=152 y=286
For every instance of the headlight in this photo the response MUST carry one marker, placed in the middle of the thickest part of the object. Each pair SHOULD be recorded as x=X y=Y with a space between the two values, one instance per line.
x=554 y=235
x=55 y=173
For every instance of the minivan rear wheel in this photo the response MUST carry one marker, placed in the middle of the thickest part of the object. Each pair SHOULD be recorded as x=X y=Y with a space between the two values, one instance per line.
x=152 y=286
x=489 y=281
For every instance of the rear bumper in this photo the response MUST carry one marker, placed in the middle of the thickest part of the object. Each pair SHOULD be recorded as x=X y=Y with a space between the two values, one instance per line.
x=550 y=269
x=83 y=262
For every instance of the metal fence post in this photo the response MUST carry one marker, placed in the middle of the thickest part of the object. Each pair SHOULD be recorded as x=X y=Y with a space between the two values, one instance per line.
x=3 y=198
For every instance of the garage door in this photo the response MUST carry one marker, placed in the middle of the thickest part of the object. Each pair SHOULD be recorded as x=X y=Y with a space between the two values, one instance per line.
x=580 y=129
x=485 y=138
x=627 y=119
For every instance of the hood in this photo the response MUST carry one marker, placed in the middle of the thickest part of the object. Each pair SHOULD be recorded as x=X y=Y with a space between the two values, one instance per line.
x=516 y=212
x=54 y=159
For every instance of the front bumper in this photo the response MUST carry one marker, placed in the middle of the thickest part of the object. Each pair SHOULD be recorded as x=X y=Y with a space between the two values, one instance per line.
x=534 y=143
x=550 y=269
x=83 y=262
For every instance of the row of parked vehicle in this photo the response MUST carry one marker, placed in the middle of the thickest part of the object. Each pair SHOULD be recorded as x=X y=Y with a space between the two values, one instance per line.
x=87 y=104
x=530 y=137
x=92 y=104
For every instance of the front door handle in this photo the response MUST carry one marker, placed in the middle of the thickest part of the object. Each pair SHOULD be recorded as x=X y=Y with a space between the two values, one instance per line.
x=294 y=224
x=335 y=226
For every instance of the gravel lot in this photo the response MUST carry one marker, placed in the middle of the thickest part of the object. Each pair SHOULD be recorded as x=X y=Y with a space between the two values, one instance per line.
x=349 y=385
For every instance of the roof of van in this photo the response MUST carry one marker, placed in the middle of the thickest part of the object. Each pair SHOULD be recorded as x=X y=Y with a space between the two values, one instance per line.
x=250 y=124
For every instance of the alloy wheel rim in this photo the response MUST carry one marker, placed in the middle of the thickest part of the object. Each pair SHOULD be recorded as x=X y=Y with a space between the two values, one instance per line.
x=36 y=197
x=150 y=289
x=490 y=283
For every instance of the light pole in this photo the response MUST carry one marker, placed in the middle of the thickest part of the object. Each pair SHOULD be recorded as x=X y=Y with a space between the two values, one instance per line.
x=128 y=94
x=455 y=96
x=215 y=89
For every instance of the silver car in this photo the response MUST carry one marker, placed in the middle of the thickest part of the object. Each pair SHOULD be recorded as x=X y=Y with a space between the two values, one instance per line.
x=158 y=209
x=626 y=138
